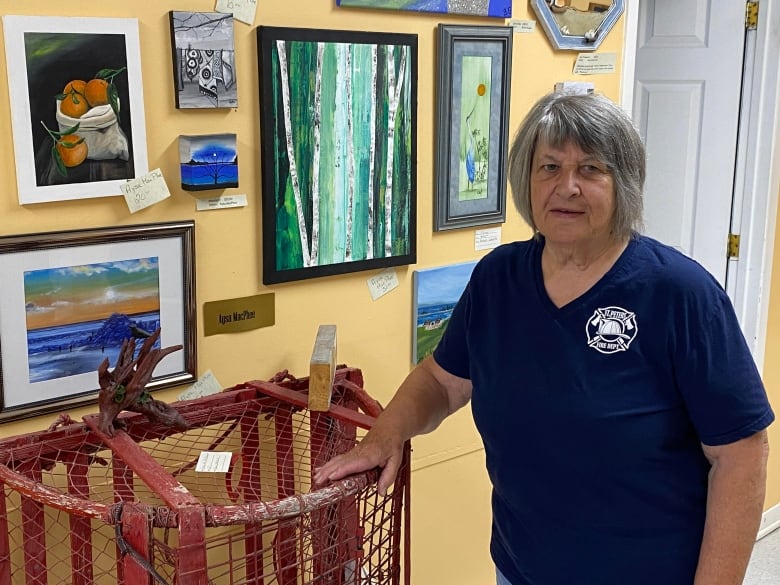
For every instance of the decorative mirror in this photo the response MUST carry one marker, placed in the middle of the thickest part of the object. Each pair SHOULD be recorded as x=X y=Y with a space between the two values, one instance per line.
x=577 y=25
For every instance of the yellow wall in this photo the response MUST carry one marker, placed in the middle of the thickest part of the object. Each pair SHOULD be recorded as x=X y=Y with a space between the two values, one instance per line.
x=450 y=497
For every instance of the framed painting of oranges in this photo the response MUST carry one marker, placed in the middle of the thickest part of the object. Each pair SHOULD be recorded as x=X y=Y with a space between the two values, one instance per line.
x=472 y=118
x=77 y=109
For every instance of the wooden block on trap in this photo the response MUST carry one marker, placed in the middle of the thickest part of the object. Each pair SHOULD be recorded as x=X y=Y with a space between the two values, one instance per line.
x=322 y=368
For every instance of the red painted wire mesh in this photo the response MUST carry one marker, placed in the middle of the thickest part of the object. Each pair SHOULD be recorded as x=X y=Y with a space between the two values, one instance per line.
x=82 y=508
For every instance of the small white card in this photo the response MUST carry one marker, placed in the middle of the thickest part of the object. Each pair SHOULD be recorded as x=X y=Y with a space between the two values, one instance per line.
x=144 y=191
x=207 y=384
x=243 y=10
x=522 y=26
x=221 y=202
x=593 y=63
x=487 y=239
x=214 y=461
x=382 y=283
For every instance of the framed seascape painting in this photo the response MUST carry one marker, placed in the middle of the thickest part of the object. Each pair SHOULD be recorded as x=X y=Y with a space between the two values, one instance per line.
x=71 y=298
x=338 y=116
x=436 y=291
x=472 y=125
x=77 y=107
x=494 y=8
x=204 y=59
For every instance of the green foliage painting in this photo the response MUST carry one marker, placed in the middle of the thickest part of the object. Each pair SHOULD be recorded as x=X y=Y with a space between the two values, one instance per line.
x=338 y=115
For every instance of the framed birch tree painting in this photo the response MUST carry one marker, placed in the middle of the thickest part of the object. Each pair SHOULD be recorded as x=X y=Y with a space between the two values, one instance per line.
x=338 y=148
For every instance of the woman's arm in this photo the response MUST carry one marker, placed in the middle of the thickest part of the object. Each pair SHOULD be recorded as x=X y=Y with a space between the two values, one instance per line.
x=735 y=500
x=425 y=398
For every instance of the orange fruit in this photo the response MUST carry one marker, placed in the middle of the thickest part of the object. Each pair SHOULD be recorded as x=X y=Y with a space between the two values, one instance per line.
x=74 y=104
x=76 y=85
x=96 y=92
x=71 y=153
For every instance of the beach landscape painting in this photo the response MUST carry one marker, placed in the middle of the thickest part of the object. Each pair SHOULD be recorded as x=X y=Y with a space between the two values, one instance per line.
x=79 y=315
x=436 y=291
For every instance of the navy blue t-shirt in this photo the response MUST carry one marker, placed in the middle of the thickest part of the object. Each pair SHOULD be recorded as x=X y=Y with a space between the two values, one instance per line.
x=593 y=414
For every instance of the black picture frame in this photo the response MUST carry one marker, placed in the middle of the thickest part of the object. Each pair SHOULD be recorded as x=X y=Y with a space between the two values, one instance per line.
x=325 y=156
x=474 y=80
x=71 y=297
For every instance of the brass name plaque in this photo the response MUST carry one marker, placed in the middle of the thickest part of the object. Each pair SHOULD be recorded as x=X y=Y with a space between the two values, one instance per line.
x=235 y=315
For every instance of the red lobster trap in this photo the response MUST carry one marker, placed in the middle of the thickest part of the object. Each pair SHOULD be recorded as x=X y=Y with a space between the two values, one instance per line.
x=80 y=507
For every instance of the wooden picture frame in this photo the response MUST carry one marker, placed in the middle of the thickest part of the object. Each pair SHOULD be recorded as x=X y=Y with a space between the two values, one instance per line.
x=69 y=300
x=474 y=64
x=339 y=153
x=48 y=60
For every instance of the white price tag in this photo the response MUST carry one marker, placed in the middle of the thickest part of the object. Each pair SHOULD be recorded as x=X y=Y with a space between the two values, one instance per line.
x=522 y=26
x=214 y=461
x=221 y=202
x=382 y=283
x=593 y=63
x=243 y=10
x=207 y=384
x=487 y=239
x=144 y=191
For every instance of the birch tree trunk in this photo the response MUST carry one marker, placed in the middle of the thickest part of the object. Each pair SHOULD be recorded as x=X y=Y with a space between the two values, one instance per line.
x=371 y=155
x=315 y=170
x=285 y=88
x=394 y=91
x=350 y=152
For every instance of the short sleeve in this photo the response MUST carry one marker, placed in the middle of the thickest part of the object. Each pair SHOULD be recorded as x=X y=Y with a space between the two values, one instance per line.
x=718 y=378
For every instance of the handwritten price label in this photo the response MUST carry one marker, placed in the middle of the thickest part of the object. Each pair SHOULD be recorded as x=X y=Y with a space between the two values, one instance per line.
x=145 y=191
x=382 y=283
x=243 y=10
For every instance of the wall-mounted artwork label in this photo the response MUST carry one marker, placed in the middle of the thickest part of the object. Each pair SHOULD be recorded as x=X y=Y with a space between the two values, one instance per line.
x=338 y=151
x=204 y=59
x=239 y=314
x=243 y=10
x=436 y=291
x=76 y=105
x=496 y=8
x=208 y=161
x=145 y=191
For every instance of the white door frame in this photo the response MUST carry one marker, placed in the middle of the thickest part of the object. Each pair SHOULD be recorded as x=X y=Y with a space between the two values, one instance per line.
x=757 y=183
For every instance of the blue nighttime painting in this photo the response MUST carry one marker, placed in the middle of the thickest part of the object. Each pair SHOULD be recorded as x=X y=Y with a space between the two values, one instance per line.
x=208 y=162
x=79 y=315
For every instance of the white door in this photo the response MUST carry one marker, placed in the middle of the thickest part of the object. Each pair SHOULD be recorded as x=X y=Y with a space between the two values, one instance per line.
x=688 y=72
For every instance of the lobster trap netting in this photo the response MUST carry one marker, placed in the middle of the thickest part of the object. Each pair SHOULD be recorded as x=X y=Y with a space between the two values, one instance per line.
x=228 y=501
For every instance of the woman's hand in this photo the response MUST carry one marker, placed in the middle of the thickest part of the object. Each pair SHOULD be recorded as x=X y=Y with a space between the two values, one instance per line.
x=426 y=397
x=373 y=451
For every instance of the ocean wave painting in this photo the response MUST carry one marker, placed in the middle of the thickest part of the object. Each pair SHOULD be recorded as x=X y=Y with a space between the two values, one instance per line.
x=79 y=315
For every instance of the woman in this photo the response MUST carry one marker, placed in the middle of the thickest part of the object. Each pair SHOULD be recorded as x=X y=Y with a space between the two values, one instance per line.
x=622 y=415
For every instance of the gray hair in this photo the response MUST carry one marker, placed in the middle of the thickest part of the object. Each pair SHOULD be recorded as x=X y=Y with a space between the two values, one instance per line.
x=598 y=127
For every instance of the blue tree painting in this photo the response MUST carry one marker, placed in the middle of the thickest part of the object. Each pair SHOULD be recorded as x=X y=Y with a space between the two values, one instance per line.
x=208 y=162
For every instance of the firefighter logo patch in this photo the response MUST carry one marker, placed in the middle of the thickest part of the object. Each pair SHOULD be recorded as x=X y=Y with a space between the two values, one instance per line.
x=611 y=329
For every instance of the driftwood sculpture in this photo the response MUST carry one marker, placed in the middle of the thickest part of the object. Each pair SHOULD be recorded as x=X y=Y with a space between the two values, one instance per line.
x=124 y=388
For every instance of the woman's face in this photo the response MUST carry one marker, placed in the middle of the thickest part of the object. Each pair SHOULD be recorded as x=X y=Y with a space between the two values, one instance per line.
x=572 y=195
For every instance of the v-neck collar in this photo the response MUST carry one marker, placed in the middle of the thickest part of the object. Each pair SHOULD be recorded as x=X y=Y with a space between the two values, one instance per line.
x=596 y=289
